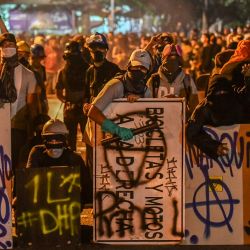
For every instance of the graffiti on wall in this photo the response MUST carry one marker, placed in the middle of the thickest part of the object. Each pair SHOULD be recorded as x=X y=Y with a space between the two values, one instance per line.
x=138 y=184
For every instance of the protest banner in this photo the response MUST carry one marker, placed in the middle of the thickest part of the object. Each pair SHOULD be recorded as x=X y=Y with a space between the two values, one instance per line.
x=139 y=184
x=5 y=178
x=217 y=191
x=48 y=206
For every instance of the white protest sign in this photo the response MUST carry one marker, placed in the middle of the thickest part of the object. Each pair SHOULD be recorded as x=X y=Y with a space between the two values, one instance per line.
x=139 y=184
x=5 y=178
x=218 y=191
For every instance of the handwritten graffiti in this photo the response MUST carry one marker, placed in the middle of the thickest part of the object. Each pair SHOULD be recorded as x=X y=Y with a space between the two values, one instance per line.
x=5 y=167
x=121 y=210
x=5 y=211
x=206 y=217
x=136 y=180
x=171 y=184
x=153 y=148
x=48 y=204
x=64 y=219
x=4 y=217
x=238 y=147
x=217 y=192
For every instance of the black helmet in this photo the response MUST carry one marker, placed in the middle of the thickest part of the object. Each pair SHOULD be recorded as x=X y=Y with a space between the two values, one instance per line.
x=97 y=40
x=72 y=48
x=37 y=50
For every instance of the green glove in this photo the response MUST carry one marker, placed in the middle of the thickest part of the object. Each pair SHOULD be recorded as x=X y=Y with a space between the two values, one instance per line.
x=124 y=133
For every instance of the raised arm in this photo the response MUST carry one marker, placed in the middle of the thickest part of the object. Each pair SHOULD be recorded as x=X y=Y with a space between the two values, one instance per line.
x=3 y=26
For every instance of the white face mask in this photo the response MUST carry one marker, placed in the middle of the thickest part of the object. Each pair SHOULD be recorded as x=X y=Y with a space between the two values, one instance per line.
x=8 y=52
x=55 y=152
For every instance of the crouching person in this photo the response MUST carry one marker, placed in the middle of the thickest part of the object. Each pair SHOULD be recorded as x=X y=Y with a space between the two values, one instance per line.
x=55 y=152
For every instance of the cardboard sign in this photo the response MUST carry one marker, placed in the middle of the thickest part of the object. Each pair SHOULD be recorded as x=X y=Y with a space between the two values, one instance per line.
x=48 y=206
x=139 y=183
x=217 y=192
x=5 y=178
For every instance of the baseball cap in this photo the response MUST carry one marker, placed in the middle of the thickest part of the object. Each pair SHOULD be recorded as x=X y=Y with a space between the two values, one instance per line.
x=97 y=40
x=7 y=37
x=140 y=57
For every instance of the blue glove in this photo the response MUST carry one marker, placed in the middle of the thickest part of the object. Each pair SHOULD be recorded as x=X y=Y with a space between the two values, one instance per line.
x=124 y=133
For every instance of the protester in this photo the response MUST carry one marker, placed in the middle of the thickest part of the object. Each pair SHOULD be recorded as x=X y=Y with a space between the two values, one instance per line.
x=18 y=86
x=171 y=80
x=71 y=90
x=36 y=139
x=206 y=63
x=52 y=63
x=55 y=152
x=132 y=85
x=36 y=59
x=102 y=70
x=227 y=102
x=23 y=52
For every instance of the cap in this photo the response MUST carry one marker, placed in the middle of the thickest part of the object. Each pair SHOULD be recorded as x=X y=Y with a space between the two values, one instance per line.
x=7 y=37
x=97 y=40
x=140 y=57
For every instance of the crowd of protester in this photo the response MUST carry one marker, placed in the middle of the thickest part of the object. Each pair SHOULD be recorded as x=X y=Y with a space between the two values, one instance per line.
x=210 y=70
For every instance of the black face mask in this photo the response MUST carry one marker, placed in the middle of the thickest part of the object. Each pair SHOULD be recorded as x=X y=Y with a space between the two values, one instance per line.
x=136 y=76
x=98 y=56
x=171 y=66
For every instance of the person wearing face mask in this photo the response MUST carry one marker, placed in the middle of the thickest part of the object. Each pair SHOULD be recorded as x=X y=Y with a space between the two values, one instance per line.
x=18 y=87
x=55 y=152
x=132 y=85
x=172 y=81
x=36 y=58
x=101 y=70
x=71 y=90
x=23 y=53
x=163 y=40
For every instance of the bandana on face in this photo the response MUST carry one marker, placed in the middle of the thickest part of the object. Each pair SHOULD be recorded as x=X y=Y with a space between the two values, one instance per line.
x=135 y=83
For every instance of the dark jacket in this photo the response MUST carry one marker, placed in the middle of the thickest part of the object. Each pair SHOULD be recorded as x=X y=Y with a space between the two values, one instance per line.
x=38 y=158
x=225 y=104
x=97 y=77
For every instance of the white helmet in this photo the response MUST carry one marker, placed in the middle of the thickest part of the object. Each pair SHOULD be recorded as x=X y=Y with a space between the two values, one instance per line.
x=54 y=127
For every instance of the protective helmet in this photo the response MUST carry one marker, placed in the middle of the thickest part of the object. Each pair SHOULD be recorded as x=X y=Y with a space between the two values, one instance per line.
x=54 y=127
x=97 y=40
x=37 y=50
x=22 y=46
x=72 y=48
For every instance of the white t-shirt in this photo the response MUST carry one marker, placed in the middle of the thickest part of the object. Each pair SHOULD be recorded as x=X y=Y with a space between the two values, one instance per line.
x=25 y=83
x=114 y=89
